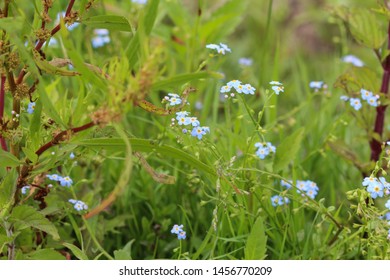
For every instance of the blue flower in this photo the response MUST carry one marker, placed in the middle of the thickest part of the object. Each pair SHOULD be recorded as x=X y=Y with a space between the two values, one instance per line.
x=264 y=149
x=177 y=229
x=287 y=184
x=184 y=121
x=66 y=181
x=199 y=131
x=54 y=177
x=72 y=156
x=375 y=189
x=174 y=99
x=277 y=87
x=387 y=205
x=225 y=89
x=243 y=61
x=355 y=103
x=25 y=189
x=31 y=107
x=101 y=38
x=141 y=2
x=366 y=94
x=220 y=49
x=194 y=121
x=344 y=98
x=181 y=114
x=373 y=101
x=181 y=235
x=316 y=84
x=278 y=200
x=248 y=89
x=78 y=204
x=353 y=60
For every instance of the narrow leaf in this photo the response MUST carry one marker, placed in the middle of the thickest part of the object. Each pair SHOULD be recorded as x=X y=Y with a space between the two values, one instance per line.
x=8 y=159
x=76 y=251
x=111 y=22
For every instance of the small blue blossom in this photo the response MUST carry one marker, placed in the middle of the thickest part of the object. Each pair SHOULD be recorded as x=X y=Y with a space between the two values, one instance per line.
x=278 y=200
x=181 y=235
x=220 y=49
x=54 y=177
x=287 y=184
x=277 y=87
x=25 y=189
x=184 y=130
x=78 y=204
x=301 y=186
x=387 y=205
x=194 y=121
x=373 y=101
x=375 y=189
x=66 y=181
x=181 y=114
x=316 y=85
x=141 y=2
x=344 y=98
x=184 y=120
x=199 y=131
x=72 y=156
x=248 y=89
x=353 y=60
x=355 y=103
x=101 y=38
x=173 y=99
x=367 y=181
x=239 y=88
x=366 y=94
x=244 y=61
x=177 y=229
x=31 y=107
x=264 y=149
x=234 y=83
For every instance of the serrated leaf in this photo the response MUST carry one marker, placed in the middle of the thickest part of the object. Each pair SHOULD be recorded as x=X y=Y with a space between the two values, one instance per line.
x=7 y=190
x=25 y=216
x=256 y=244
x=45 y=254
x=111 y=22
x=30 y=154
x=365 y=28
x=288 y=150
x=76 y=251
x=8 y=159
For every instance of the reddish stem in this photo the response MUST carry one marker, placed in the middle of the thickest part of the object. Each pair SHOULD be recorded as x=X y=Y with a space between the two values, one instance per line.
x=2 y=104
x=41 y=42
x=60 y=137
x=376 y=146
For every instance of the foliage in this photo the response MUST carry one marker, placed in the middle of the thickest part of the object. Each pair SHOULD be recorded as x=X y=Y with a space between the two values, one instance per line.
x=193 y=130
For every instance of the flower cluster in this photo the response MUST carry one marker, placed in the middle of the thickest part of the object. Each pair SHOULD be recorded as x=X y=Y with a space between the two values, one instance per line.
x=264 y=149
x=277 y=87
x=173 y=99
x=78 y=204
x=308 y=187
x=101 y=38
x=220 y=49
x=64 y=181
x=377 y=187
x=368 y=96
x=238 y=87
x=178 y=230
x=318 y=85
x=197 y=130
x=278 y=200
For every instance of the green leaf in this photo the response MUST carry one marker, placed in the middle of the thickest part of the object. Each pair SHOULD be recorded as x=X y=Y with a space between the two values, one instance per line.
x=183 y=78
x=4 y=240
x=366 y=28
x=50 y=110
x=111 y=22
x=256 y=244
x=288 y=149
x=356 y=78
x=8 y=159
x=147 y=22
x=45 y=254
x=125 y=253
x=143 y=145
x=7 y=190
x=76 y=251
x=30 y=154
x=25 y=216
